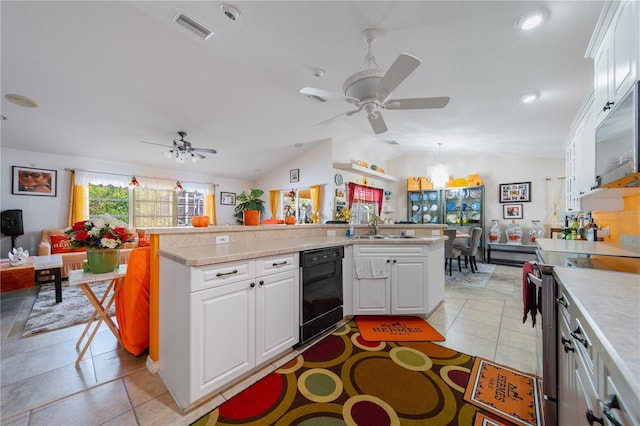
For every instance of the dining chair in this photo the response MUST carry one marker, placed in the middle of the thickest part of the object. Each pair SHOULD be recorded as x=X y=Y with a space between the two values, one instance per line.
x=450 y=253
x=470 y=251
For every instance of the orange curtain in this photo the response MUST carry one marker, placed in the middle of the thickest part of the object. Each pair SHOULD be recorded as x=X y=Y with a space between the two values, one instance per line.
x=315 y=202
x=78 y=201
x=210 y=207
x=274 y=196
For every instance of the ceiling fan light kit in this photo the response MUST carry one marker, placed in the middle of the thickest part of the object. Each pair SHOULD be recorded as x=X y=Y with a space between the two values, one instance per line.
x=370 y=88
x=182 y=150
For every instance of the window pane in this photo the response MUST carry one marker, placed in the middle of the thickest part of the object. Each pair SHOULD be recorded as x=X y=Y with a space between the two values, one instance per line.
x=154 y=208
x=109 y=199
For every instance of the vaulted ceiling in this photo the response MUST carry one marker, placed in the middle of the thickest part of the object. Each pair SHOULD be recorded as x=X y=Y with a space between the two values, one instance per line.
x=108 y=75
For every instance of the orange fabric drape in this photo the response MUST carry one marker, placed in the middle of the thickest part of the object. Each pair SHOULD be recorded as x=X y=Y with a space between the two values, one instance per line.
x=78 y=202
x=274 y=196
x=210 y=208
x=315 y=202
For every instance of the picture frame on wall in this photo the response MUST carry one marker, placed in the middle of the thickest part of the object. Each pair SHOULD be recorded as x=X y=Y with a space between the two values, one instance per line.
x=515 y=192
x=512 y=211
x=294 y=175
x=32 y=181
x=227 y=198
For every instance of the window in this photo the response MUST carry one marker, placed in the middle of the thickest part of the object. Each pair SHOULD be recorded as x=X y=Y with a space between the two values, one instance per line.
x=297 y=203
x=109 y=199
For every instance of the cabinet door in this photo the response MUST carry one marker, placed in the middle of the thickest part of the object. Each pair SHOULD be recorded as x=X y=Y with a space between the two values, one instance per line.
x=371 y=296
x=624 y=33
x=566 y=373
x=222 y=336
x=277 y=314
x=602 y=79
x=408 y=286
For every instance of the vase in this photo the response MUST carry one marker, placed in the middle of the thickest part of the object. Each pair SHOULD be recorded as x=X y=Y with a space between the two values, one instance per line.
x=102 y=261
x=494 y=232
x=514 y=234
x=251 y=217
x=536 y=230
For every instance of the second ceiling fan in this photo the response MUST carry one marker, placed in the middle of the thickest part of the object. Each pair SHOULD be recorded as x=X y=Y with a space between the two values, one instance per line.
x=370 y=89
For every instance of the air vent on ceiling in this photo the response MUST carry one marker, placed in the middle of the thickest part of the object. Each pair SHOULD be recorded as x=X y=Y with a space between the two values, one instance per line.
x=190 y=24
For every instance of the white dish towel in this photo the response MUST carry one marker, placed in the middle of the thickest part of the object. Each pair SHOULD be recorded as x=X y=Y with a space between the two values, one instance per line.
x=372 y=267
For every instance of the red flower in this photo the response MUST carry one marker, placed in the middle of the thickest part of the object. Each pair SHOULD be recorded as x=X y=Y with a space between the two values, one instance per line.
x=122 y=233
x=81 y=235
x=78 y=226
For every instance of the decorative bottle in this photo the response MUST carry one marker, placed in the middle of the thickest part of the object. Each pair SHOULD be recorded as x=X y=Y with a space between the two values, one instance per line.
x=536 y=231
x=514 y=233
x=494 y=231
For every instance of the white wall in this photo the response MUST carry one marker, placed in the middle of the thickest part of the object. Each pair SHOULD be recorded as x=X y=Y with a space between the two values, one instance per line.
x=51 y=212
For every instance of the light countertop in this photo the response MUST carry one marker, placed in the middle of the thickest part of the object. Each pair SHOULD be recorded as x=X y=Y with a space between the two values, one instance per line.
x=220 y=253
x=609 y=302
x=588 y=247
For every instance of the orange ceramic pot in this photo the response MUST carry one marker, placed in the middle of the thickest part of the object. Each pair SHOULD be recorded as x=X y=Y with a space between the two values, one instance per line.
x=251 y=217
x=200 y=221
x=290 y=220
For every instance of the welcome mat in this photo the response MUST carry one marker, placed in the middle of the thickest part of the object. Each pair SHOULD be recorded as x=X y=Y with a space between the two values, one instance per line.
x=511 y=394
x=385 y=328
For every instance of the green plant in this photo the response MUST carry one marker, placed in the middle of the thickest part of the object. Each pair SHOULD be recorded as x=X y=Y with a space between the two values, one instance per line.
x=248 y=200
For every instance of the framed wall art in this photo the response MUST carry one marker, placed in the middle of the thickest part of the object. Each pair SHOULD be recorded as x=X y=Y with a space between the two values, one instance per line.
x=227 y=198
x=30 y=181
x=294 y=175
x=515 y=192
x=512 y=211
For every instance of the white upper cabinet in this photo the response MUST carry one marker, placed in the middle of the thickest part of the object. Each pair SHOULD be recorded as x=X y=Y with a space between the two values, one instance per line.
x=615 y=49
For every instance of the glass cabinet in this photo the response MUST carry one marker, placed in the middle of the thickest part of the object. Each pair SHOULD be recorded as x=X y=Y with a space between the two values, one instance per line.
x=424 y=206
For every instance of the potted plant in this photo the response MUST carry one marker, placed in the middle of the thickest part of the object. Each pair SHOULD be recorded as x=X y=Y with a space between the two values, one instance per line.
x=290 y=209
x=249 y=207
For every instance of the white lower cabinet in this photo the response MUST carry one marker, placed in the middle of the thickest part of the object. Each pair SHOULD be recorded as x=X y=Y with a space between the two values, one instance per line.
x=219 y=322
x=413 y=286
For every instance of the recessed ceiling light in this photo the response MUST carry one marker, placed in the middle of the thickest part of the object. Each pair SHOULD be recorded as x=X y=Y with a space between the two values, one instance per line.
x=23 y=101
x=230 y=12
x=527 y=98
x=531 y=19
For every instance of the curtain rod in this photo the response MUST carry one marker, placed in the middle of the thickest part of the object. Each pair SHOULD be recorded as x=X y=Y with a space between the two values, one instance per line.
x=131 y=175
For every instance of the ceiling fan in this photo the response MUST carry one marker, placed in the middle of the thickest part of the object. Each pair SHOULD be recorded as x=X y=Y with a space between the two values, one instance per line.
x=371 y=88
x=182 y=150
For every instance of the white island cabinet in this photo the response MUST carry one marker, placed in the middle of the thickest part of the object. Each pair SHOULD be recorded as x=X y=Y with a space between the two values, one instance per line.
x=414 y=284
x=219 y=322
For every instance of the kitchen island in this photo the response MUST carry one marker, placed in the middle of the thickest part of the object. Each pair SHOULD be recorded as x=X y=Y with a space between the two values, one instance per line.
x=589 y=254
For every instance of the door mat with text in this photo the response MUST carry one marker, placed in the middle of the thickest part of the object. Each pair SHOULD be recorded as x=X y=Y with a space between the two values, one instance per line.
x=377 y=328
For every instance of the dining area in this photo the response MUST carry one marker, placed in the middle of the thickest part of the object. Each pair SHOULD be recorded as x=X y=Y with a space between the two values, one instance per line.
x=462 y=244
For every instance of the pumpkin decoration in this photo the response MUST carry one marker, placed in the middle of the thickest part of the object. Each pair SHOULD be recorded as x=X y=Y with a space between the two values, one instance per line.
x=200 y=221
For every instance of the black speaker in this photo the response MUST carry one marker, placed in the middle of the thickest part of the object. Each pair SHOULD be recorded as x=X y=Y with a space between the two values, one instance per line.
x=11 y=224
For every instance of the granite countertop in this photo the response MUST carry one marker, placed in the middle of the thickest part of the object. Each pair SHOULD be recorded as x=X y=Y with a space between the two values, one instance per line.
x=612 y=312
x=588 y=247
x=220 y=253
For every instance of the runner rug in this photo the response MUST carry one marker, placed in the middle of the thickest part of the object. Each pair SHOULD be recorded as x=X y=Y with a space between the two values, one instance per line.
x=509 y=393
x=375 y=328
x=346 y=380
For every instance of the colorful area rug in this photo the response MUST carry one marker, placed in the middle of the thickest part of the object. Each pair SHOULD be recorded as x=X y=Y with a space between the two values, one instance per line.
x=377 y=328
x=509 y=393
x=479 y=279
x=346 y=380
x=75 y=308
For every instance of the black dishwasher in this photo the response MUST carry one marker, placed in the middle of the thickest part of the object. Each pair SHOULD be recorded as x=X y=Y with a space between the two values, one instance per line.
x=320 y=290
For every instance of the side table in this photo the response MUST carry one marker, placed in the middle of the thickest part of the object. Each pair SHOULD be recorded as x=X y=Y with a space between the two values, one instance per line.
x=102 y=305
x=47 y=267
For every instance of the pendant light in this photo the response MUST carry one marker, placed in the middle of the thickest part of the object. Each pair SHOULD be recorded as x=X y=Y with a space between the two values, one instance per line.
x=440 y=175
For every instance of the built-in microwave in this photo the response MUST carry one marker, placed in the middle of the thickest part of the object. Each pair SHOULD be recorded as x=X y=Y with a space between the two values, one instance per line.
x=617 y=144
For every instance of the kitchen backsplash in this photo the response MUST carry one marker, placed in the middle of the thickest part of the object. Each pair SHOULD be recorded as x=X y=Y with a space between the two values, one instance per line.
x=622 y=223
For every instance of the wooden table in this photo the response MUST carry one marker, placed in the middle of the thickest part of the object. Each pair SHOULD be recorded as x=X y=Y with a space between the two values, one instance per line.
x=16 y=277
x=102 y=305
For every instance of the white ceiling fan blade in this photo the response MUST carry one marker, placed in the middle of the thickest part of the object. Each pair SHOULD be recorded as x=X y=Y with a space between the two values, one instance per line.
x=332 y=119
x=159 y=144
x=209 y=150
x=325 y=95
x=377 y=122
x=401 y=68
x=417 y=103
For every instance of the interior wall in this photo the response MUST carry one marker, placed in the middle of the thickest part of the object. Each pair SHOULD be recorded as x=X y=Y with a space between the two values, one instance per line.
x=40 y=212
x=626 y=221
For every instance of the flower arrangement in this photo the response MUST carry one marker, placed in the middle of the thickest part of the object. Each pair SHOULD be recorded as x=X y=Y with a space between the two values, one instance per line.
x=101 y=232
x=344 y=214
x=289 y=207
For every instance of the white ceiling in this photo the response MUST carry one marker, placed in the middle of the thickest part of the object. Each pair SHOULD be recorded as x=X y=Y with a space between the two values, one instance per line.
x=110 y=74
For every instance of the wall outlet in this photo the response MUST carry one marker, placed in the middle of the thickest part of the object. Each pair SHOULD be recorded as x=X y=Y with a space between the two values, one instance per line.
x=409 y=233
x=331 y=233
x=222 y=239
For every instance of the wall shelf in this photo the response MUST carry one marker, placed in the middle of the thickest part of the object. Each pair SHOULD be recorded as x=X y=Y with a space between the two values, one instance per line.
x=364 y=171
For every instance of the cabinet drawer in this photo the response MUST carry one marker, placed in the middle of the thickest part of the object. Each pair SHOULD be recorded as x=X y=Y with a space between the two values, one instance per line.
x=563 y=303
x=278 y=263
x=388 y=250
x=613 y=402
x=581 y=337
x=225 y=273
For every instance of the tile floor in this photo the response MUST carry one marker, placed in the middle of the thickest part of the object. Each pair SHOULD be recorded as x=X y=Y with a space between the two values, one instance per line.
x=40 y=384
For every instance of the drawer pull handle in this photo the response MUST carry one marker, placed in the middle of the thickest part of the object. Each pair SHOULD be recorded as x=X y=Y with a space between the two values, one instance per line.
x=593 y=419
x=278 y=264
x=566 y=345
x=575 y=334
x=562 y=301
x=222 y=274
x=608 y=406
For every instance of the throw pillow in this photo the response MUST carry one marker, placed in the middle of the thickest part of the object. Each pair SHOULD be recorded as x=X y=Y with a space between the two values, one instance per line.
x=60 y=244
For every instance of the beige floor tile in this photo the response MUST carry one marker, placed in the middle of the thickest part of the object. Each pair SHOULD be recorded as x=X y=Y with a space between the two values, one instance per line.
x=475 y=328
x=493 y=305
x=160 y=411
x=117 y=363
x=126 y=419
x=471 y=345
x=490 y=318
x=142 y=386
x=95 y=406
x=521 y=341
x=518 y=359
